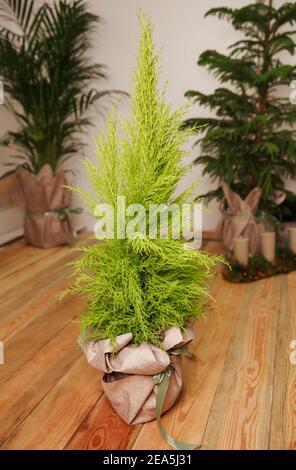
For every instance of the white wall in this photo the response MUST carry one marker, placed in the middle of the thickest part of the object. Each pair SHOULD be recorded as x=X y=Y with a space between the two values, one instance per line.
x=11 y=219
x=182 y=33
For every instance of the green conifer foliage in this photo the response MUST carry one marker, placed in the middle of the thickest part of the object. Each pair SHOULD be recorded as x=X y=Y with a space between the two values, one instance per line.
x=251 y=140
x=141 y=285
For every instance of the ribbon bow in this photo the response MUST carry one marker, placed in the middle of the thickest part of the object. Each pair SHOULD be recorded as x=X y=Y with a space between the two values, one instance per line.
x=163 y=382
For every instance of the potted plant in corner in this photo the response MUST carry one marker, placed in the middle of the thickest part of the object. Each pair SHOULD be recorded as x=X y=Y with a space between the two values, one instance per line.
x=250 y=141
x=249 y=146
x=143 y=291
x=49 y=87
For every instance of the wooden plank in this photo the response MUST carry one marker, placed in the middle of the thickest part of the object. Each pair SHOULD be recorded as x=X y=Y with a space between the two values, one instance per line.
x=17 y=255
x=103 y=429
x=27 y=272
x=23 y=346
x=238 y=394
x=22 y=295
x=54 y=421
x=19 y=308
x=9 y=247
x=20 y=394
x=18 y=311
x=25 y=267
x=283 y=421
x=188 y=418
x=10 y=252
x=21 y=317
x=241 y=412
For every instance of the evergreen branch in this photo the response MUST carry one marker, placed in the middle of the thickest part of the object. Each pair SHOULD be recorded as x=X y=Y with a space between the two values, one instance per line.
x=142 y=286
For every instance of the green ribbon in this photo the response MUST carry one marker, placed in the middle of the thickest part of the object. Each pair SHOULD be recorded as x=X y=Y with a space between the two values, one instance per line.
x=244 y=214
x=60 y=213
x=163 y=382
x=184 y=351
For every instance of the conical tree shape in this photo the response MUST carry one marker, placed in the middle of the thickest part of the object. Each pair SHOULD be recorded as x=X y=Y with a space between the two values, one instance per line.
x=251 y=141
x=141 y=285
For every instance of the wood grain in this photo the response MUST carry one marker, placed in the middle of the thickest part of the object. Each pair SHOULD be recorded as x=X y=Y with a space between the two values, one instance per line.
x=240 y=392
x=187 y=420
x=19 y=397
x=29 y=341
x=241 y=412
x=103 y=429
x=54 y=421
x=15 y=260
x=19 y=293
x=283 y=422
x=29 y=270
x=44 y=298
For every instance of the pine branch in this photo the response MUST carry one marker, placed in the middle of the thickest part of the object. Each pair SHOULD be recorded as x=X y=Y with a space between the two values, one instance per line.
x=245 y=144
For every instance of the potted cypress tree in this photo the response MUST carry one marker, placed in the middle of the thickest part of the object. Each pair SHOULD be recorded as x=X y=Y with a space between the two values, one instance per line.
x=251 y=141
x=50 y=86
x=143 y=293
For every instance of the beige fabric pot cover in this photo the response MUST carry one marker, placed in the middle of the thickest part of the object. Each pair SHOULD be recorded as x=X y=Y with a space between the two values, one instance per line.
x=240 y=219
x=128 y=374
x=40 y=195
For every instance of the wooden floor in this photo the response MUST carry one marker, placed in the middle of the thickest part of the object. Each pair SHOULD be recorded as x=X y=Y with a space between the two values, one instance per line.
x=239 y=393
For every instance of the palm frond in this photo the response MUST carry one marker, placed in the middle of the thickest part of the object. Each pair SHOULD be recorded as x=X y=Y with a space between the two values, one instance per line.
x=50 y=82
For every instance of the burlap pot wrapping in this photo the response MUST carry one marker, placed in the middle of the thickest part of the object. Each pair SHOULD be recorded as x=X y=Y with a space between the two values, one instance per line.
x=128 y=374
x=45 y=201
x=240 y=220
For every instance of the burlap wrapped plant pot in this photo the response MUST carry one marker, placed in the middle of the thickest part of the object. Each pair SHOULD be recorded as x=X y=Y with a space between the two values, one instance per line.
x=240 y=219
x=130 y=370
x=46 y=203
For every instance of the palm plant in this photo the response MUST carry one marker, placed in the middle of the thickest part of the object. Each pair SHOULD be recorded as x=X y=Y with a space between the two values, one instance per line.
x=49 y=81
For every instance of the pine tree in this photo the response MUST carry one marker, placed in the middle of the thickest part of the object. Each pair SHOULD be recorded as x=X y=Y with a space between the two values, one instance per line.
x=141 y=285
x=251 y=140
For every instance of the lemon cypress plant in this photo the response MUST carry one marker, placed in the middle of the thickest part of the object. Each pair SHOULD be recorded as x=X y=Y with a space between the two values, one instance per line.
x=141 y=285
